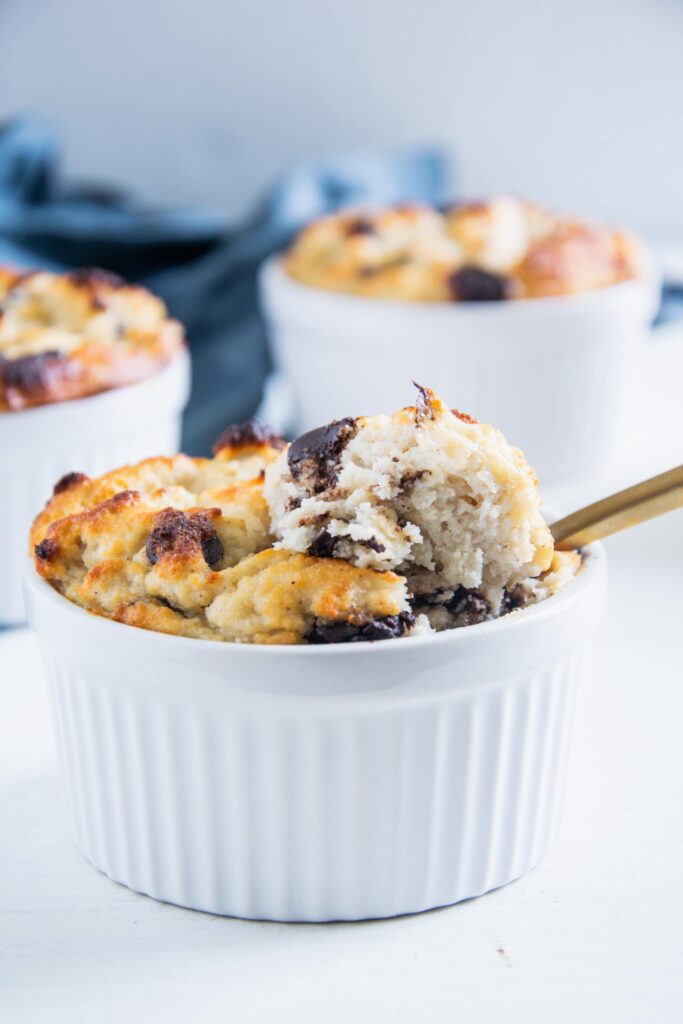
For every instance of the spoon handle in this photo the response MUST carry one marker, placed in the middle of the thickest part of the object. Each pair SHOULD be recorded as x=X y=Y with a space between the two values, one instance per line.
x=636 y=504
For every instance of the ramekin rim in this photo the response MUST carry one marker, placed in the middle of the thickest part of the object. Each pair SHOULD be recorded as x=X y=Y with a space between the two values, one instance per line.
x=272 y=269
x=592 y=570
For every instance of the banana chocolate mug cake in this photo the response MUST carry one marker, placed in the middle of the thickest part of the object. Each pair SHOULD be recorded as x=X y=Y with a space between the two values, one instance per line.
x=504 y=248
x=365 y=529
x=65 y=336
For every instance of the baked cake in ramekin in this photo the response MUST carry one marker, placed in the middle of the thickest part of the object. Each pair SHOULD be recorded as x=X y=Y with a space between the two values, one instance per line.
x=365 y=529
x=93 y=372
x=533 y=319
x=384 y=726
x=65 y=336
x=504 y=248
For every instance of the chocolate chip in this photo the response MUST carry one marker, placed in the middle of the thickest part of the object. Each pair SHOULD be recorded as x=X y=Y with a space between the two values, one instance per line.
x=323 y=546
x=410 y=478
x=315 y=455
x=31 y=373
x=469 y=607
x=46 y=549
x=512 y=599
x=69 y=480
x=167 y=604
x=182 y=533
x=249 y=434
x=360 y=226
x=212 y=549
x=472 y=284
x=373 y=544
x=386 y=627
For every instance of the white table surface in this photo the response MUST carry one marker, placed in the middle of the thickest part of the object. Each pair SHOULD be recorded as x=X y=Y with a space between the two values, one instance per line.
x=592 y=935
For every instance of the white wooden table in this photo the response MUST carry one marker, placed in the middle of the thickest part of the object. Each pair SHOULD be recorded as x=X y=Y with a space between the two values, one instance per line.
x=592 y=935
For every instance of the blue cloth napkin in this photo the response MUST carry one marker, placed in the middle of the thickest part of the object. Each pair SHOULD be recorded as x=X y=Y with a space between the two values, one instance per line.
x=203 y=266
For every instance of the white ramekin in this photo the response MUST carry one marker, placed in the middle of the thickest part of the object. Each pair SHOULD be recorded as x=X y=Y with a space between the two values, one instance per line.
x=317 y=783
x=88 y=435
x=546 y=371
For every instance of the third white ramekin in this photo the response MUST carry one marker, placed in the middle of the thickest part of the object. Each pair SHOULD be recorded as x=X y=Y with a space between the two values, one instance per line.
x=317 y=783
x=87 y=435
x=547 y=372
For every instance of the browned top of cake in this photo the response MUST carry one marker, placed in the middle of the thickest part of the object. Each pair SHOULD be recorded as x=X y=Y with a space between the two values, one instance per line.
x=183 y=546
x=365 y=529
x=504 y=248
x=65 y=336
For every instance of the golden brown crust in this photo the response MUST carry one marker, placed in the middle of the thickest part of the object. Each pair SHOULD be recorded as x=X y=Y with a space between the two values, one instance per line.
x=402 y=252
x=274 y=597
x=182 y=546
x=246 y=438
x=72 y=335
x=187 y=546
x=163 y=481
x=573 y=258
x=504 y=248
x=279 y=596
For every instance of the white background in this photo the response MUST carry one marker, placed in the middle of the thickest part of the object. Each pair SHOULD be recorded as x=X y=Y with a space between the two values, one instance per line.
x=575 y=102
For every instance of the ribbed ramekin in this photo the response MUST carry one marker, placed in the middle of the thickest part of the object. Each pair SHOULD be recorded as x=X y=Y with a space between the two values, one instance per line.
x=317 y=783
x=88 y=435
x=548 y=372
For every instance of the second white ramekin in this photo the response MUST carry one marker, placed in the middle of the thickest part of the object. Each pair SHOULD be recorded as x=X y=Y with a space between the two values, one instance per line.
x=317 y=783
x=547 y=372
x=87 y=435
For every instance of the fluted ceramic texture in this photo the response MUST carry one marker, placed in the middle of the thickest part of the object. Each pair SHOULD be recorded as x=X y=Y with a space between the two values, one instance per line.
x=289 y=809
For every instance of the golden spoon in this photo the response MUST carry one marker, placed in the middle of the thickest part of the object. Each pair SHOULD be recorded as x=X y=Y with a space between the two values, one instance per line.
x=636 y=504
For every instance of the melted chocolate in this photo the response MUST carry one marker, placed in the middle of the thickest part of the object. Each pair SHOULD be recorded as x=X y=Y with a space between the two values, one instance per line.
x=323 y=546
x=31 y=373
x=469 y=606
x=315 y=455
x=167 y=604
x=471 y=284
x=373 y=544
x=512 y=599
x=46 y=549
x=360 y=226
x=385 y=628
x=180 y=533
